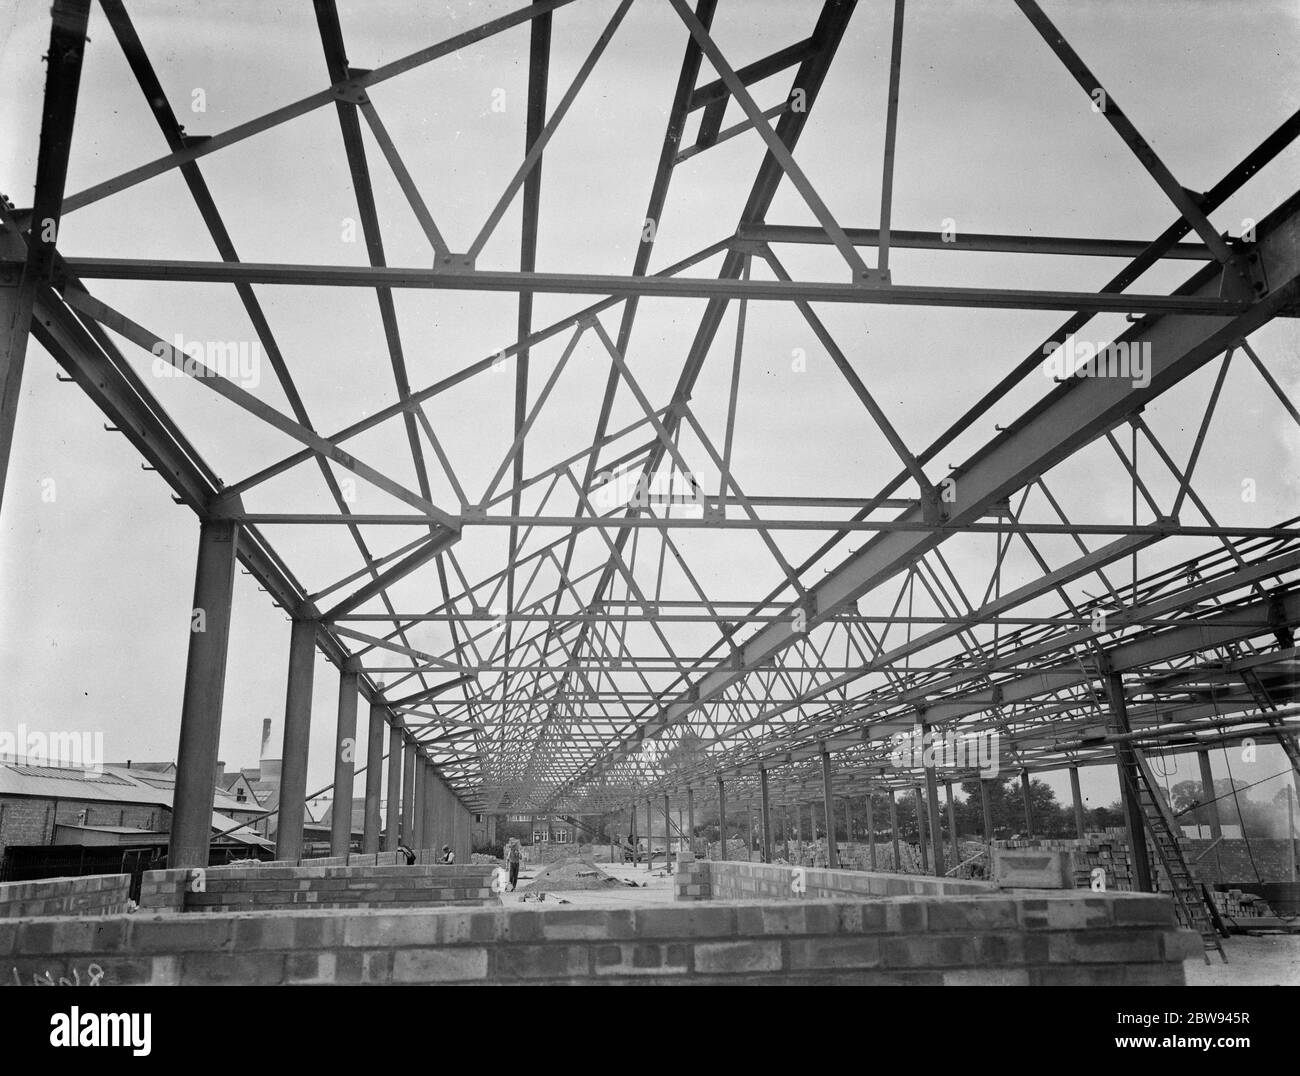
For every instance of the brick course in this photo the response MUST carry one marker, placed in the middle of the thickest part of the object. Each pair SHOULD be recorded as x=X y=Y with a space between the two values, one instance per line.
x=95 y=894
x=1064 y=938
x=270 y=886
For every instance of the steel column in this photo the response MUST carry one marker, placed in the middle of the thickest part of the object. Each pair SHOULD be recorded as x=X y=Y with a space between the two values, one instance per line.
x=418 y=836
x=871 y=832
x=932 y=805
x=766 y=810
x=441 y=812
x=690 y=814
x=1208 y=795
x=345 y=753
x=297 y=732
x=722 y=821
x=668 y=841
x=917 y=797
x=986 y=809
x=1076 y=795
x=205 y=681
x=1029 y=806
x=1134 y=816
x=893 y=828
x=409 y=752
x=952 y=825
x=828 y=803
x=393 y=819
x=370 y=832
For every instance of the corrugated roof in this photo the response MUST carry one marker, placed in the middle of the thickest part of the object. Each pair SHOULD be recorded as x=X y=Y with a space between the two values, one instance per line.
x=68 y=774
x=111 y=785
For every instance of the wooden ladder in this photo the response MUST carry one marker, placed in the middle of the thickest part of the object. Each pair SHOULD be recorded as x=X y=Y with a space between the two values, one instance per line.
x=1191 y=901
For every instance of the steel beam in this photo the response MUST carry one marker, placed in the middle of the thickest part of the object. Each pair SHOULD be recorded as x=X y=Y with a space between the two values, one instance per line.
x=677 y=287
x=18 y=292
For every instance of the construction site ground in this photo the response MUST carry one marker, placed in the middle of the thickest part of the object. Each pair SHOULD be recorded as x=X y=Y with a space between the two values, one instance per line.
x=1268 y=960
x=653 y=887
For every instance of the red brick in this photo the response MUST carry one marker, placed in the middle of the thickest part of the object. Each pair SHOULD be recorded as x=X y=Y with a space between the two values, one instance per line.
x=232 y=969
x=522 y=924
x=1104 y=947
x=457 y=927
x=1097 y=975
x=541 y=961
x=588 y=924
x=1180 y=945
x=384 y=929
x=695 y=921
x=991 y=913
x=834 y=952
x=906 y=916
x=179 y=933
x=633 y=959
x=1157 y=909
x=927 y=951
x=447 y=965
x=986 y=977
x=738 y=956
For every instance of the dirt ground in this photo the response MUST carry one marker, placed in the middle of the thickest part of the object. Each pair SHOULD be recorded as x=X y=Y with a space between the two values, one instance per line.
x=1270 y=960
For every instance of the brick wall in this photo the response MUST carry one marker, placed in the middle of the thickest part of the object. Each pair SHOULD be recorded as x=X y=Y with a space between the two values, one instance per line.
x=711 y=880
x=362 y=859
x=1066 y=938
x=95 y=894
x=26 y=820
x=270 y=887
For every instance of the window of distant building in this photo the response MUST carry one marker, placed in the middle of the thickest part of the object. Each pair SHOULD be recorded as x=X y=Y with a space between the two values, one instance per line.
x=560 y=837
x=240 y=797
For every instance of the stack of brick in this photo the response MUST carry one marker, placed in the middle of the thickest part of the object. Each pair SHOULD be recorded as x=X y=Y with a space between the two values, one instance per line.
x=737 y=851
x=1239 y=904
x=1107 y=849
x=692 y=880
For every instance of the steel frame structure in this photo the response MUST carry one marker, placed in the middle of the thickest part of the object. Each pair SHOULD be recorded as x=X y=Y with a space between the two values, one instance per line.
x=564 y=688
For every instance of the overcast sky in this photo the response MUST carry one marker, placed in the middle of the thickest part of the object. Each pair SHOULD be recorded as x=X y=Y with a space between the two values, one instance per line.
x=96 y=585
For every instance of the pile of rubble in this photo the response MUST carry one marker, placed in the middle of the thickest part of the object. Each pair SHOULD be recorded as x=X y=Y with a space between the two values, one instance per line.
x=568 y=875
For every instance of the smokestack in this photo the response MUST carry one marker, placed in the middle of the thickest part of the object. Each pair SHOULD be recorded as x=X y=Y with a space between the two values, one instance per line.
x=269 y=767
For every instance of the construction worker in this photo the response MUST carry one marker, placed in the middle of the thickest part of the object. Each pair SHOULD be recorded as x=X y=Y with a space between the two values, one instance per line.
x=514 y=856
